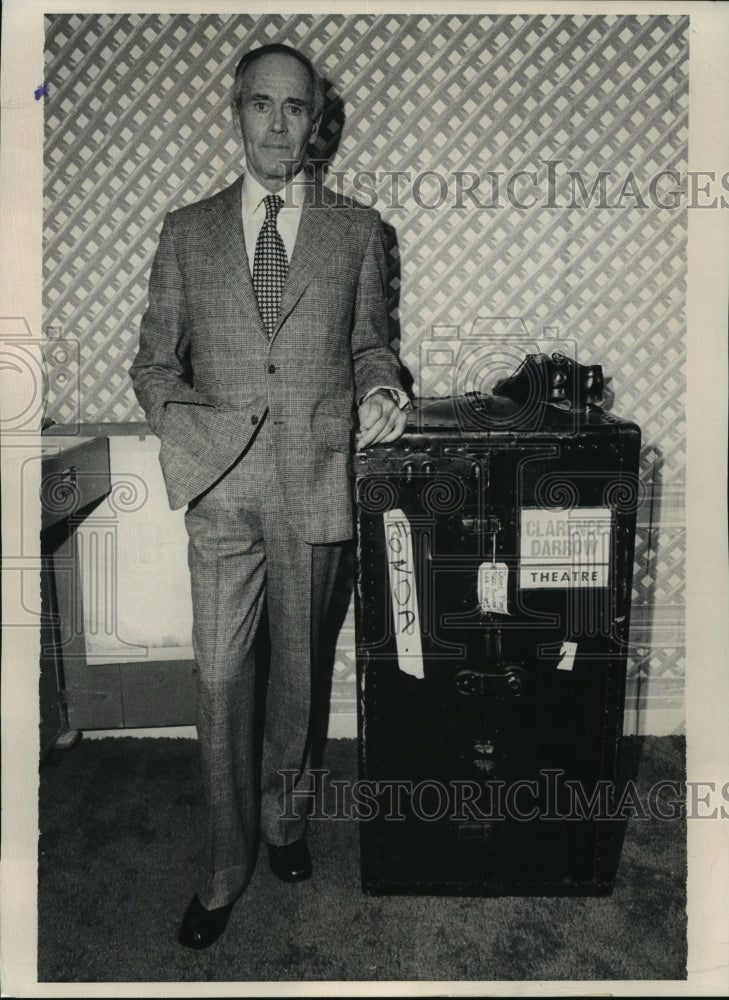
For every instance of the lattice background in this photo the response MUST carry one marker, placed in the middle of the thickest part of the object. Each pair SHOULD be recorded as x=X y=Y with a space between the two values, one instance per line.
x=137 y=122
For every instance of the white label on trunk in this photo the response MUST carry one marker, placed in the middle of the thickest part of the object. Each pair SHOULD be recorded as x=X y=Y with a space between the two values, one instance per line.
x=401 y=570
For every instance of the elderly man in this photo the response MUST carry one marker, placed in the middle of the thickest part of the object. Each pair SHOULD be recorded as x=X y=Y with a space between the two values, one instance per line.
x=266 y=330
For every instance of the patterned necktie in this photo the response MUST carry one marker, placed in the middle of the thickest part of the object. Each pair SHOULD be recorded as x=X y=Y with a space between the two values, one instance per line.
x=270 y=264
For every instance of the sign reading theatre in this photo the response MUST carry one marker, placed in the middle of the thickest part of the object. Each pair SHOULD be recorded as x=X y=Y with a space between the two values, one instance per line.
x=564 y=548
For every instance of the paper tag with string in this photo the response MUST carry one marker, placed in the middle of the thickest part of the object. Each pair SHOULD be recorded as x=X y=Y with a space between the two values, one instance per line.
x=493 y=580
x=493 y=584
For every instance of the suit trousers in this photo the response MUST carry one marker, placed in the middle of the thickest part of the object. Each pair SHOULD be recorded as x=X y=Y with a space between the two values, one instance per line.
x=242 y=548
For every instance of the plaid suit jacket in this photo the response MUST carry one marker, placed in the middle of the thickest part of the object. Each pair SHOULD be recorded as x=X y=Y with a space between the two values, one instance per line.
x=207 y=373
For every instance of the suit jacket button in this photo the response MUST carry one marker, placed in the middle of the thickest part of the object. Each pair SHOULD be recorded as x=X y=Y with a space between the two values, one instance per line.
x=254 y=420
x=271 y=369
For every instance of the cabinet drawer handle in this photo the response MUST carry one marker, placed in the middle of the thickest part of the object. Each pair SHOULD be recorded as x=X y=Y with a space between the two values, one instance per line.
x=60 y=493
x=67 y=477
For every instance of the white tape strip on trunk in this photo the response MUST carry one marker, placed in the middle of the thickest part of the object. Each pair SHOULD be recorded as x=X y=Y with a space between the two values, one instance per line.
x=401 y=569
x=567 y=652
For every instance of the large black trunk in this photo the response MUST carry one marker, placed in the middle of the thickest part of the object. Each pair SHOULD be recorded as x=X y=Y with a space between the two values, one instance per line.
x=493 y=600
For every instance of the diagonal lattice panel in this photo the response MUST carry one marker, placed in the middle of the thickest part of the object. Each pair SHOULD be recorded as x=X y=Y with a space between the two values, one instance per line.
x=471 y=134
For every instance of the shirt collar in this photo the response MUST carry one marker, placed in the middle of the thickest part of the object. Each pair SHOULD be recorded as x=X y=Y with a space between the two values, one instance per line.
x=253 y=192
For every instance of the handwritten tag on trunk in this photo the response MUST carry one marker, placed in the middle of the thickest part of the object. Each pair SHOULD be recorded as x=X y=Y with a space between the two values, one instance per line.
x=493 y=580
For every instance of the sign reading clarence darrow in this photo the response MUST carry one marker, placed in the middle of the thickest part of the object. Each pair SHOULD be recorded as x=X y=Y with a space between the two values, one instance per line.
x=564 y=548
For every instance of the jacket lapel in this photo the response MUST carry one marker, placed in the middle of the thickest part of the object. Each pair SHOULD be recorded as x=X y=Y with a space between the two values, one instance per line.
x=320 y=232
x=225 y=242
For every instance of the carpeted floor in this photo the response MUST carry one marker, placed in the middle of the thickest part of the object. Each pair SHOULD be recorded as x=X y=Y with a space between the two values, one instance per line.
x=119 y=821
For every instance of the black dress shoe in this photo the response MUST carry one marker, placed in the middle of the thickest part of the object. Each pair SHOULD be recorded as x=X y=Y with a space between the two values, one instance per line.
x=291 y=863
x=201 y=927
x=556 y=379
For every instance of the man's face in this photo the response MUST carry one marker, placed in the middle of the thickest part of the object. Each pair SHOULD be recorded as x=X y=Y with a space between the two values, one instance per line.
x=275 y=118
